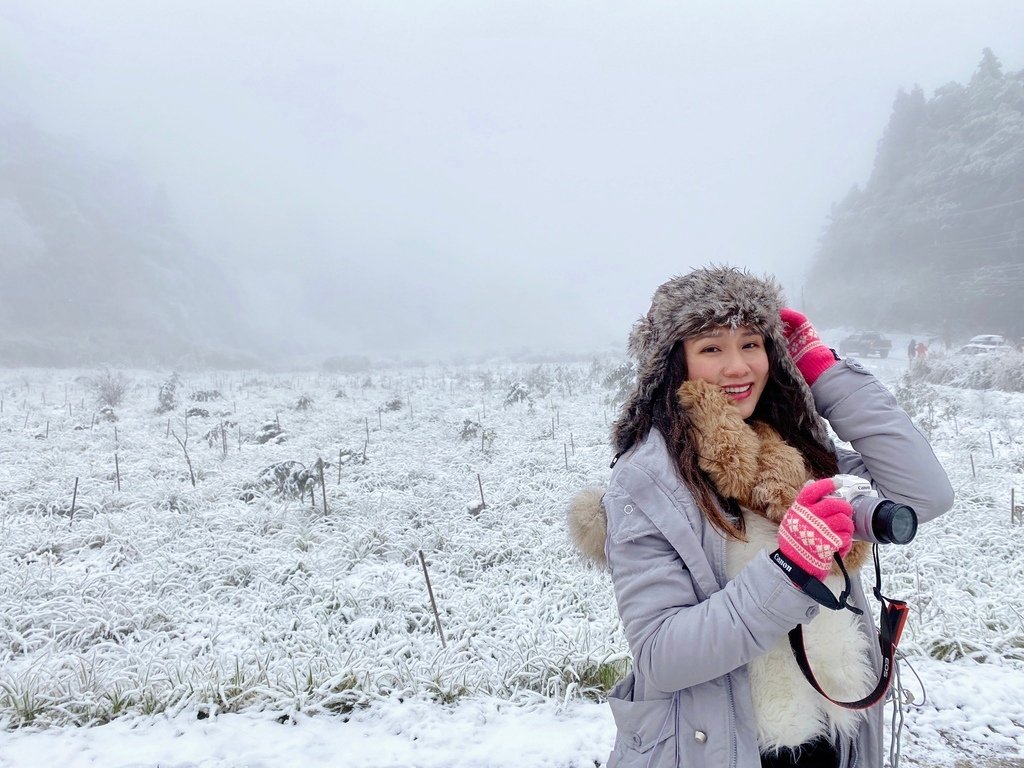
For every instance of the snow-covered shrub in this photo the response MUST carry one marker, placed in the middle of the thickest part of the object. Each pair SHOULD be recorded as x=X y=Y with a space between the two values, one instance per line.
x=168 y=396
x=206 y=395
x=110 y=388
x=304 y=404
x=619 y=380
x=286 y=479
x=197 y=412
x=269 y=432
x=217 y=437
x=517 y=393
x=541 y=380
x=992 y=371
x=393 y=404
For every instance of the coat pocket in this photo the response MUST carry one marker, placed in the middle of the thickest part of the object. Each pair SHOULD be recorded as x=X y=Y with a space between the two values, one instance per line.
x=645 y=730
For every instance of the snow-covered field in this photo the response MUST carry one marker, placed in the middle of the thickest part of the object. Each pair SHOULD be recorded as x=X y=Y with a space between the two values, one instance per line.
x=239 y=623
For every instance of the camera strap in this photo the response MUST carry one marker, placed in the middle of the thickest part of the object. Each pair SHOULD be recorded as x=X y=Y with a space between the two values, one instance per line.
x=892 y=619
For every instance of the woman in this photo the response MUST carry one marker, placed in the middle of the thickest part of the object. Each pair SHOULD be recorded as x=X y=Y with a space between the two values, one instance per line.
x=725 y=415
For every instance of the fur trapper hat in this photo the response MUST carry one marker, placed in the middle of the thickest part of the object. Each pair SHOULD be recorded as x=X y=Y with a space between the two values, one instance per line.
x=688 y=305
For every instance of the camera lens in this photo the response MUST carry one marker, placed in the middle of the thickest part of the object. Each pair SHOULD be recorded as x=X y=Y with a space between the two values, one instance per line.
x=894 y=523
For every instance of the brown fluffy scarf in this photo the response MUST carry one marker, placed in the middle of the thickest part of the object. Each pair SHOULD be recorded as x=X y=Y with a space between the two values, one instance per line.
x=749 y=463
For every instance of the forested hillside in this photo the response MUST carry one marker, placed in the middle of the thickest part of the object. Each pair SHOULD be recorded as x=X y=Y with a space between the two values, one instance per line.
x=935 y=240
x=94 y=268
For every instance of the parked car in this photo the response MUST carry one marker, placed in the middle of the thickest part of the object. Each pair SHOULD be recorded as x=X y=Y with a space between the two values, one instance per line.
x=865 y=344
x=986 y=344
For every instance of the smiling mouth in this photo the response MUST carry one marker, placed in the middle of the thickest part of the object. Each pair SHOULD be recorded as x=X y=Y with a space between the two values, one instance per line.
x=738 y=392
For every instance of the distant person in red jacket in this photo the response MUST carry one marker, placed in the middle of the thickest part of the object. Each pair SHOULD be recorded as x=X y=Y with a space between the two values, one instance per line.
x=911 y=349
x=922 y=349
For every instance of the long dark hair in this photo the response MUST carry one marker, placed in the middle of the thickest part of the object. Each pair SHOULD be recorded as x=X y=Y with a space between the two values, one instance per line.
x=781 y=406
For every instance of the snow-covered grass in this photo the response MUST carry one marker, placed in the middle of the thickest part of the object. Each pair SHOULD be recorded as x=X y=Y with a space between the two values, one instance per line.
x=162 y=596
x=1002 y=370
x=242 y=594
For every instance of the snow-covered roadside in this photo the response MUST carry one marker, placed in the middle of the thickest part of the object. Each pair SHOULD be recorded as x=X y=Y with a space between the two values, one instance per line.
x=973 y=714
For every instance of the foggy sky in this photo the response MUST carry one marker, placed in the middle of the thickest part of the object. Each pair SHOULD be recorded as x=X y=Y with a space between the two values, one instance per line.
x=449 y=177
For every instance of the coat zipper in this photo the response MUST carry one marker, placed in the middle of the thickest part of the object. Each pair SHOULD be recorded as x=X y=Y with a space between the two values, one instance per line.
x=733 y=748
x=732 y=723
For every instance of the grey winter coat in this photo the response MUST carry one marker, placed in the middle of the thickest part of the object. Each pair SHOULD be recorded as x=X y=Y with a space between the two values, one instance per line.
x=691 y=631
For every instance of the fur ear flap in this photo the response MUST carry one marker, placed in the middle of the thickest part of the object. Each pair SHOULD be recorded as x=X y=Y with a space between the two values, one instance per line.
x=588 y=526
x=640 y=338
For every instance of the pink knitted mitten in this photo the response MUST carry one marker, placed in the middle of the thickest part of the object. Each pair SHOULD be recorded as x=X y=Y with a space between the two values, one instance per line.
x=816 y=527
x=806 y=348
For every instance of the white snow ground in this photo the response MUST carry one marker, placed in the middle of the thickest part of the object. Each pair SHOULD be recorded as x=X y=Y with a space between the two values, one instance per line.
x=974 y=713
x=272 y=611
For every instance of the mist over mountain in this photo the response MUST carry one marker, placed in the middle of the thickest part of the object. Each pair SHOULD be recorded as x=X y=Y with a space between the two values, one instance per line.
x=96 y=269
x=935 y=239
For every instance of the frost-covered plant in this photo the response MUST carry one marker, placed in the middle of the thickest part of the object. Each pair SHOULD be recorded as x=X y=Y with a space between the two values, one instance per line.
x=167 y=397
x=304 y=403
x=1004 y=371
x=619 y=381
x=540 y=380
x=518 y=393
x=218 y=436
x=288 y=479
x=206 y=395
x=269 y=432
x=110 y=388
x=393 y=404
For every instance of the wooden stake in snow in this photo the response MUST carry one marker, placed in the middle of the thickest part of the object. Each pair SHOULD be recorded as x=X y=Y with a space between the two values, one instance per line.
x=117 y=470
x=74 y=499
x=339 y=466
x=433 y=603
x=572 y=444
x=973 y=473
x=991 y=446
x=367 y=420
x=480 y=483
x=565 y=450
x=323 y=485
x=168 y=428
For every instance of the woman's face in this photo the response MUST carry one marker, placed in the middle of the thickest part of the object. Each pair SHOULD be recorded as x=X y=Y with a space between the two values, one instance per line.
x=731 y=358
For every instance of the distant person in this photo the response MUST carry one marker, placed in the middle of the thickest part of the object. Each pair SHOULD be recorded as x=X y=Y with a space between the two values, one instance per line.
x=911 y=349
x=687 y=525
x=922 y=350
